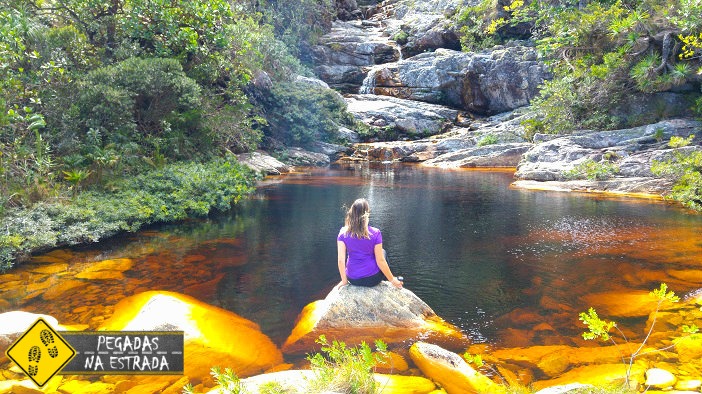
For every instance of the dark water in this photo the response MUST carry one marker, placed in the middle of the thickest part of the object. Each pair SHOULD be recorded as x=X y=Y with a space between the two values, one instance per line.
x=478 y=252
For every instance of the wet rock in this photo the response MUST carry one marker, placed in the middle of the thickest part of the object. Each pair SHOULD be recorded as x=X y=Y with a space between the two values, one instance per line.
x=61 y=288
x=264 y=163
x=450 y=370
x=598 y=375
x=106 y=269
x=633 y=303
x=660 y=378
x=50 y=268
x=353 y=314
x=241 y=345
x=391 y=364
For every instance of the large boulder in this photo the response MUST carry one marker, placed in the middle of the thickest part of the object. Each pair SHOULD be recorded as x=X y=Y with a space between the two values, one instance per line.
x=405 y=116
x=451 y=371
x=353 y=314
x=485 y=83
x=213 y=336
x=262 y=162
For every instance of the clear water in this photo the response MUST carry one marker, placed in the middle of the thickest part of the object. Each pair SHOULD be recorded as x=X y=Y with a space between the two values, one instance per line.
x=481 y=254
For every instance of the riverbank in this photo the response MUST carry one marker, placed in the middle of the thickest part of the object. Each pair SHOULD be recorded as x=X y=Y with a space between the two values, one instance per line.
x=173 y=193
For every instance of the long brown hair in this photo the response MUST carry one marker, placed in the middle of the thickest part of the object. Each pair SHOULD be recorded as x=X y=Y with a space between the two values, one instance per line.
x=357 y=219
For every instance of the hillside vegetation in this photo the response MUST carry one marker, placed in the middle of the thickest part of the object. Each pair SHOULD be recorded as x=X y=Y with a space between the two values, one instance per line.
x=93 y=92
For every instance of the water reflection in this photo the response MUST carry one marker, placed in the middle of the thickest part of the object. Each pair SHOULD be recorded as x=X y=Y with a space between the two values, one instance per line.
x=509 y=267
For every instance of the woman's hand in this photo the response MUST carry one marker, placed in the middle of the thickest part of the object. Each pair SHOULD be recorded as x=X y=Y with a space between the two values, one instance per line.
x=342 y=284
x=396 y=282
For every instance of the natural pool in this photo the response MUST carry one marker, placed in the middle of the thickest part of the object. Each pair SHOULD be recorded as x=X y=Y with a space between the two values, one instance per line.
x=509 y=267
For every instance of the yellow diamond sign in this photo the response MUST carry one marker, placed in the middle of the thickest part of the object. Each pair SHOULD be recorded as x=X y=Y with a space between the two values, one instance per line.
x=41 y=352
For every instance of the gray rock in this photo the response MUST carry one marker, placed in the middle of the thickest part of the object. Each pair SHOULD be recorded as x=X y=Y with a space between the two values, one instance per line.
x=632 y=151
x=355 y=313
x=484 y=83
x=262 y=162
x=342 y=54
x=299 y=157
x=406 y=116
x=496 y=155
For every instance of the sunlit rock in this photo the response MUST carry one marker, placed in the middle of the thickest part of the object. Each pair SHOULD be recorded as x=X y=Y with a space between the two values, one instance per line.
x=399 y=384
x=598 y=375
x=49 y=268
x=264 y=163
x=660 y=378
x=353 y=314
x=450 y=370
x=567 y=388
x=297 y=381
x=551 y=361
x=213 y=336
x=688 y=385
x=689 y=349
x=392 y=363
x=106 y=269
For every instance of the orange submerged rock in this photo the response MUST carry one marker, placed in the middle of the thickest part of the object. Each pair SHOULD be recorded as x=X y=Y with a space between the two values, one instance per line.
x=213 y=336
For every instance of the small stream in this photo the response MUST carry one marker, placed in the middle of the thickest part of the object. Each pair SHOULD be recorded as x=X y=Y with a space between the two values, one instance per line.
x=480 y=253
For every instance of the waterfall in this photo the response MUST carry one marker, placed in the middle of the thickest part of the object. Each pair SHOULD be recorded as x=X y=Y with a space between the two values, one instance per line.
x=370 y=81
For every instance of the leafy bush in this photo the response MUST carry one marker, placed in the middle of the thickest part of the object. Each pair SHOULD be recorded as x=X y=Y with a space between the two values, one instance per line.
x=345 y=369
x=488 y=139
x=137 y=95
x=175 y=192
x=300 y=113
x=685 y=167
x=592 y=170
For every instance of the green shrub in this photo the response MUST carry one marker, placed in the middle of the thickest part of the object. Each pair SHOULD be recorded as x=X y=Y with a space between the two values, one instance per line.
x=299 y=114
x=685 y=168
x=345 y=369
x=488 y=139
x=592 y=170
x=172 y=193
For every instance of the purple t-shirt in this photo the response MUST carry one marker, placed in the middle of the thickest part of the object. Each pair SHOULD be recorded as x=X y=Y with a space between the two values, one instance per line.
x=361 y=253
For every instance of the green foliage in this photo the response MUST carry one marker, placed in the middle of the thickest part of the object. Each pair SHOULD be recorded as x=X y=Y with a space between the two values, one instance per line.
x=227 y=380
x=137 y=97
x=487 y=24
x=172 y=193
x=345 y=369
x=488 y=139
x=597 y=328
x=300 y=114
x=592 y=170
x=685 y=168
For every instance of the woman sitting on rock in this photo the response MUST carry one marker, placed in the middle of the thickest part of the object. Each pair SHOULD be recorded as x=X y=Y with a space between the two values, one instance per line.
x=361 y=257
